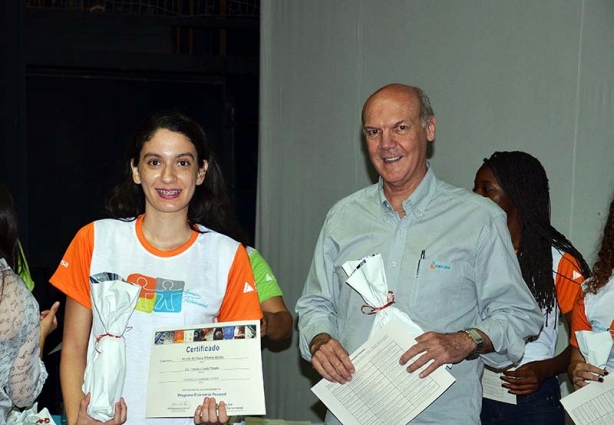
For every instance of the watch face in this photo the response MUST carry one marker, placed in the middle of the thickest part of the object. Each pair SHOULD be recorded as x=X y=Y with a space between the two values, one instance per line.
x=479 y=342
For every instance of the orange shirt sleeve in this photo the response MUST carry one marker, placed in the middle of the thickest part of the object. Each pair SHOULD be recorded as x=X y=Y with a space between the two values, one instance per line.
x=241 y=299
x=72 y=276
x=568 y=282
x=579 y=321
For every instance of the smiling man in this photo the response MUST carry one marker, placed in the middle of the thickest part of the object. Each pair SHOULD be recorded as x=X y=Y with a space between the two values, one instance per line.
x=468 y=296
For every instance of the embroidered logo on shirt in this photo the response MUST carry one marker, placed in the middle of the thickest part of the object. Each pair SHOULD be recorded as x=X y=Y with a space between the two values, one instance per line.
x=268 y=278
x=248 y=288
x=64 y=263
x=575 y=275
x=439 y=266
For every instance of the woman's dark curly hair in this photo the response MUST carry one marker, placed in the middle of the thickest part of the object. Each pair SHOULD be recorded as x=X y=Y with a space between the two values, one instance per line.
x=209 y=206
x=602 y=270
x=524 y=180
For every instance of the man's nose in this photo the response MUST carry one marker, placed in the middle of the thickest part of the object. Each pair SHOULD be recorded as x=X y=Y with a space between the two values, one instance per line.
x=387 y=140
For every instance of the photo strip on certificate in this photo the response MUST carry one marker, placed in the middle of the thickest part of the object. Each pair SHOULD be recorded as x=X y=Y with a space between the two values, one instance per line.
x=221 y=360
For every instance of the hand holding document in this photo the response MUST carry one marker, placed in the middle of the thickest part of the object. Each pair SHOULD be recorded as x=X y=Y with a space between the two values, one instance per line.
x=113 y=302
x=592 y=404
x=220 y=360
x=381 y=390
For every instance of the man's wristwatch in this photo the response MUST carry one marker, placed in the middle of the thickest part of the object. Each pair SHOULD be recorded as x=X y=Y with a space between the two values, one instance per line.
x=479 y=342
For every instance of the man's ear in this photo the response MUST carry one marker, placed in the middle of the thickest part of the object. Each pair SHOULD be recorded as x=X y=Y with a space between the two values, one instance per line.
x=135 y=173
x=431 y=129
x=200 y=178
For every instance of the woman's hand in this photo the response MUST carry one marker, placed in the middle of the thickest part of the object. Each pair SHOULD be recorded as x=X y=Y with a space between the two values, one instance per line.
x=582 y=373
x=525 y=380
x=208 y=414
x=121 y=413
x=49 y=322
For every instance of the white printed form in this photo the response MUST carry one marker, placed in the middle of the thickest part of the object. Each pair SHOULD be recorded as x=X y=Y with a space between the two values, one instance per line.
x=381 y=390
x=491 y=384
x=592 y=404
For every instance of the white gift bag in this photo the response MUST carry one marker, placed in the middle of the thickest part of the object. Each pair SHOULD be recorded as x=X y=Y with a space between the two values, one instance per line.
x=368 y=278
x=30 y=416
x=595 y=347
x=113 y=302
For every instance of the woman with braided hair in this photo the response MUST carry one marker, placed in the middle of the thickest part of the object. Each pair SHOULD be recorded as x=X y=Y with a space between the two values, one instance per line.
x=553 y=270
x=593 y=310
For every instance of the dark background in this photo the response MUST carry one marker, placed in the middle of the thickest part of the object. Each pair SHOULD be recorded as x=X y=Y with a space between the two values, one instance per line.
x=79 y=76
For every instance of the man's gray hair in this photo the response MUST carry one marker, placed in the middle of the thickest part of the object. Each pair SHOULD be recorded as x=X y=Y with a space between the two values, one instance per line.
x=426 y=110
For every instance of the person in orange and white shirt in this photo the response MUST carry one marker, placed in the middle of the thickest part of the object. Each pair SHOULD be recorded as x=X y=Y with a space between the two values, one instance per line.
x=553 y=270
x=168 y=235
x=593 y=310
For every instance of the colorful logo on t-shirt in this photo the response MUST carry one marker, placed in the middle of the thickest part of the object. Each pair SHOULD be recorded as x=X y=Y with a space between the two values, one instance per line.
x=158 y=295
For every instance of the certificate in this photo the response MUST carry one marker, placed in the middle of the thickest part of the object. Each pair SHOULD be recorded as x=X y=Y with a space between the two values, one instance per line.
x=220 y=360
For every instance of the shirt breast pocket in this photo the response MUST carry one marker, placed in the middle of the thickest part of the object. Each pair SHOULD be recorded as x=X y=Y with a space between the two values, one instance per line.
x=442 y=289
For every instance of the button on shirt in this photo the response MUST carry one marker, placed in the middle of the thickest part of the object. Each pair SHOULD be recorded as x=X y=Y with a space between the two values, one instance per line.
x=451 y=265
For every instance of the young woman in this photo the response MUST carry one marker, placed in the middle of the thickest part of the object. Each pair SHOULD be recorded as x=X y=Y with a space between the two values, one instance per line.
x=594 y=311
x=22 y=329
x=166 y=235
x=553 y=270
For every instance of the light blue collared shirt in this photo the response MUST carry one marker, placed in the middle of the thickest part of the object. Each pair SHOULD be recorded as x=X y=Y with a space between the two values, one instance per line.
x=468 y=277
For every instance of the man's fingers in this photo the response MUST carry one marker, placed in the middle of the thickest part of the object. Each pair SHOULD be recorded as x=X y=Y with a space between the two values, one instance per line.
x=332 y=362
x=346 y=361
x=430 y=369
x=413 y=351
x=418 y=363
x=332 y=369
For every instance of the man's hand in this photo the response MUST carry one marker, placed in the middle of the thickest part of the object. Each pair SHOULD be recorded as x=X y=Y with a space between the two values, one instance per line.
x=121 y=413
x=441 y=348
x=330 y=359
x=525 y=380
x=581 y=373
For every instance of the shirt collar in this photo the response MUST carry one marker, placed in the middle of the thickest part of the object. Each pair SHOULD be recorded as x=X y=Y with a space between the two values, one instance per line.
x=418 y=201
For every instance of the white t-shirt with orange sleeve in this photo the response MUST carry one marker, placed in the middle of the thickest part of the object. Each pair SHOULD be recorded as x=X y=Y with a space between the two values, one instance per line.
x=568 y=280
x=595 y=312
x=208 y=279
